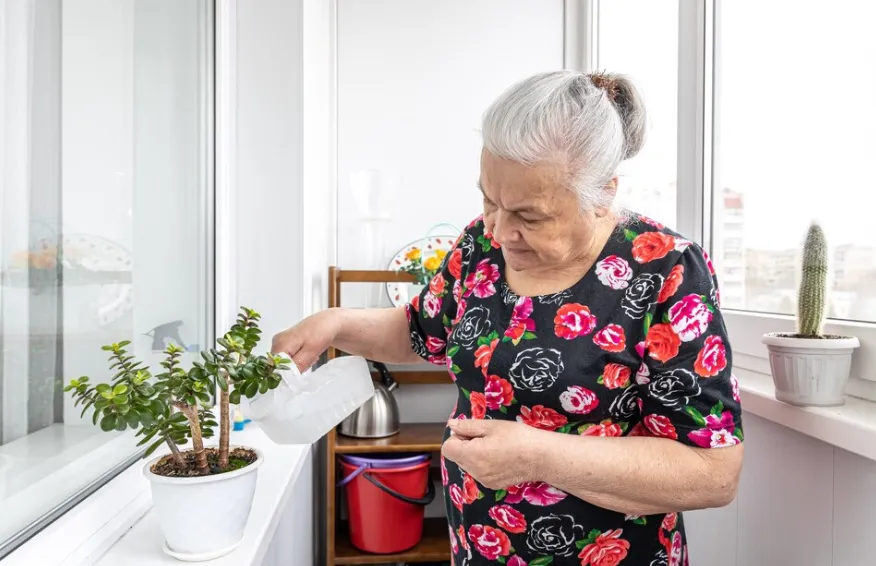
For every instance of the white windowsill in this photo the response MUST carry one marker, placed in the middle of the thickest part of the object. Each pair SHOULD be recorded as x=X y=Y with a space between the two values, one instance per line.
x=115 y=525
x=851 y=427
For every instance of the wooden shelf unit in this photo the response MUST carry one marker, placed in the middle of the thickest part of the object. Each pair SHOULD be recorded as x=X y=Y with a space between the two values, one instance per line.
x=418 y=437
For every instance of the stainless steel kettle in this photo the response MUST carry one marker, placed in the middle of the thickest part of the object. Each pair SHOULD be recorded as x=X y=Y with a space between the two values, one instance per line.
x=378 y=417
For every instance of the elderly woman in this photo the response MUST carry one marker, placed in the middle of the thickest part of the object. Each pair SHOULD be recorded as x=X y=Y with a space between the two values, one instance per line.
x=596 y=400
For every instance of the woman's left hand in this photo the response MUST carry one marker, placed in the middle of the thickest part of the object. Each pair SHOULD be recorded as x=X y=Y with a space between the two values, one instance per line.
x=497 y=454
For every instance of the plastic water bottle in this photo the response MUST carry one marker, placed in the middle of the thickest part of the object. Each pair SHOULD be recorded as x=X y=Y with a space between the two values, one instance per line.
x=304 y=408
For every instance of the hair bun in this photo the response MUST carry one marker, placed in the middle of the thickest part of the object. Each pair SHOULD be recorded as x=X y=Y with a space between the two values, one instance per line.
x=629 y=104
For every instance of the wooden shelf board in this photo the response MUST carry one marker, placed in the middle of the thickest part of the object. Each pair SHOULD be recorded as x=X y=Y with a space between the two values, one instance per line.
x=372 y=276
x=434 y=547
x=413 y=437
x=425 y=377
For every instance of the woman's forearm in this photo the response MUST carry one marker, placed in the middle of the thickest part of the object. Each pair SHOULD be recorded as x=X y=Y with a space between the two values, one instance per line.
x=381 y=335
x=639 y=475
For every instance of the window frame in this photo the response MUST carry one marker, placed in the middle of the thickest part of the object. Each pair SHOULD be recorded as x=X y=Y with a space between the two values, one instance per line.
x=698 y=172
x=78 y=530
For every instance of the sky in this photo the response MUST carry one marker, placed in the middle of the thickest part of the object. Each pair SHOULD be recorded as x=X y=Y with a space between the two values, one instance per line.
x=795 y=102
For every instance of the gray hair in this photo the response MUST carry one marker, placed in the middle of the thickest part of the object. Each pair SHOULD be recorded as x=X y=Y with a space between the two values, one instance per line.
x=591 y=122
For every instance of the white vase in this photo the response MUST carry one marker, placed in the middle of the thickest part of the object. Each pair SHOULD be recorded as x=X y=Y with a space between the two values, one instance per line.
x=810 y=371
x=204 y=517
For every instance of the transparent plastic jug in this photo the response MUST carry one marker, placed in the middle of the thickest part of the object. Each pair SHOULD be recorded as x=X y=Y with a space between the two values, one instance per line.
x=303 y=408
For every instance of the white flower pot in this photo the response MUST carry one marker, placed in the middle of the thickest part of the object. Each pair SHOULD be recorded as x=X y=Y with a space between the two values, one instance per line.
x=203 y=518
x=810 y=371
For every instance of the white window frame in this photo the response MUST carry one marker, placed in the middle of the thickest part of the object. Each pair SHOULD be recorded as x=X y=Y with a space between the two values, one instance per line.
x=698 y=169
x=84 y=530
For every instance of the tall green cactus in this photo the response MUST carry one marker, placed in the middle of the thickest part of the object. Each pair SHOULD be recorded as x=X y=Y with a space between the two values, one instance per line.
x=812 y=298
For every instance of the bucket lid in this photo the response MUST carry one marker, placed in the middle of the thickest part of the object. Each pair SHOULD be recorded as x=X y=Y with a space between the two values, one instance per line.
x=385 y=460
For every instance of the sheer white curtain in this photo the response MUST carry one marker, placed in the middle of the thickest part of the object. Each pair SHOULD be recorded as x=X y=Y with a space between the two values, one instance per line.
x=30 y=59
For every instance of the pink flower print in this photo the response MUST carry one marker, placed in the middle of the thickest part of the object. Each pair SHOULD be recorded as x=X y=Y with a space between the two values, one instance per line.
x=454 y=546
x=536 y=493
x=508 y=518
x=516 y=561
x=435 y=344
x=445 y=477
x=652 y=222
x=690 y=317
x=670 y=520
x=457 y=290
x=734 y=385
x=481 y=283
x=643 y=376
x=498 y=393
x=681 y=244
x=708 y=262
x=614 y=272
x=718 y=432
x=640 y=349
x=520 y=323
x=675 y=553
x=438 y=360
x=432 y=305
x=578 y=400
x=460 y=310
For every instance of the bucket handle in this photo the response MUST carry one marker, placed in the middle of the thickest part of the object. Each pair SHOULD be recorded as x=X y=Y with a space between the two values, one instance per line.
x=425 y=500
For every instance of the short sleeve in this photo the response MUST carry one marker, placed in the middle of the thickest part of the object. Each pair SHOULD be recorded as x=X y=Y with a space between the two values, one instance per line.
x=431 y=314
x=686 y=389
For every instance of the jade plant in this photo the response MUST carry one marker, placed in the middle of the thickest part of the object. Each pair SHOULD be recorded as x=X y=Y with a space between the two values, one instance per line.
x=812 y=296
x=176 y=405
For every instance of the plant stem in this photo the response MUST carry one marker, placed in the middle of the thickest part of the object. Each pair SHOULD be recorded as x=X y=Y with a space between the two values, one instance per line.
x=177 y=457
x=224 y=422
x=197 y=440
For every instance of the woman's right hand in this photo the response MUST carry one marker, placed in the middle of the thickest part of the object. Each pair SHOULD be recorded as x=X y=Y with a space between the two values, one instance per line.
x=306 y=341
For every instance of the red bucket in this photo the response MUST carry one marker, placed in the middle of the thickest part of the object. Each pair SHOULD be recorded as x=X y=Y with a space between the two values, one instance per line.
x=386 y=499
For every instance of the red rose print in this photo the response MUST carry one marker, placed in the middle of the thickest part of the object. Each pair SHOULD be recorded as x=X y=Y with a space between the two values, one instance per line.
x=415 y=304
x=675 y=550
x=652 y=222
x=670 y=285
x=508 y=518
x=463 y=541
x=709 y=263
x=498 y=392
x=661 y=426
x=454 y=265
x=616 y=375
x=484 y=354
x=445 y=478
x=712 y=358
x=440 y=360
x=434 y=344
x=520 y=323
x=652 y=245
x=611 y=338
x=454 y=546
x=456 y=496
x=488 y=235
x=437 y=284
x=541 y=417
x=460 y=310
x=734 y=386
x=690 y=317
x=662 y=342
x=669 y=521
x=608 y=549
x=470 y=491
x=605 y=429
x=578 y=400
x=573 y=320
x=640 y=430
x=516 y=561
x=490 y=542
x=478 y=405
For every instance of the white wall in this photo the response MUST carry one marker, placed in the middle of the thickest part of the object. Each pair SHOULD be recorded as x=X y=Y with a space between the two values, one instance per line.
x=801 y=501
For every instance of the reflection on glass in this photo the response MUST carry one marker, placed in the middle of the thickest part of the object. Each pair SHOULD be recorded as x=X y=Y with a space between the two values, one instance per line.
x=102 y=237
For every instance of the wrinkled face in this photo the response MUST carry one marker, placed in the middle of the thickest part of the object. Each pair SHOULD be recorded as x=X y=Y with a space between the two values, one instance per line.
x=532 y=214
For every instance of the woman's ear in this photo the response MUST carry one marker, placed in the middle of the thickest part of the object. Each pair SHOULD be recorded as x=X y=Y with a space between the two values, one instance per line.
x=611 y=189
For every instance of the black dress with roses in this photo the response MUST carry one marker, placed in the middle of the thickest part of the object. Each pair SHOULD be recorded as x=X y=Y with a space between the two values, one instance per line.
x=636 y=347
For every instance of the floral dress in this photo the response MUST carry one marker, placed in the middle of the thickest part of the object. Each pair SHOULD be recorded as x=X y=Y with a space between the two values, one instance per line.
x=636 y=348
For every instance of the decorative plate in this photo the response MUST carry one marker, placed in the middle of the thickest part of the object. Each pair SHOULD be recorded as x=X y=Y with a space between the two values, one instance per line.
x=422 y=258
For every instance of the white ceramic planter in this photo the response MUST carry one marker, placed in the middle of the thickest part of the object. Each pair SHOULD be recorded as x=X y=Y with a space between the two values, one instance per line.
x=810 y=371
x=203 y=518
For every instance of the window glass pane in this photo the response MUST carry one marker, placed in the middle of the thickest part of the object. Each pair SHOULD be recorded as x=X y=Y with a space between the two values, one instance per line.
x=639 y=38
x=103 y=200
x=794 y=123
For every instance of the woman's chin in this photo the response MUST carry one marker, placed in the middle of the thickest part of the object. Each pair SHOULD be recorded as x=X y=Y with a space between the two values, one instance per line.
x=519 y=260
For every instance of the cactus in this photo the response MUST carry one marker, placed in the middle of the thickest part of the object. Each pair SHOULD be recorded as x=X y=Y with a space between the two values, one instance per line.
x=812 y=297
